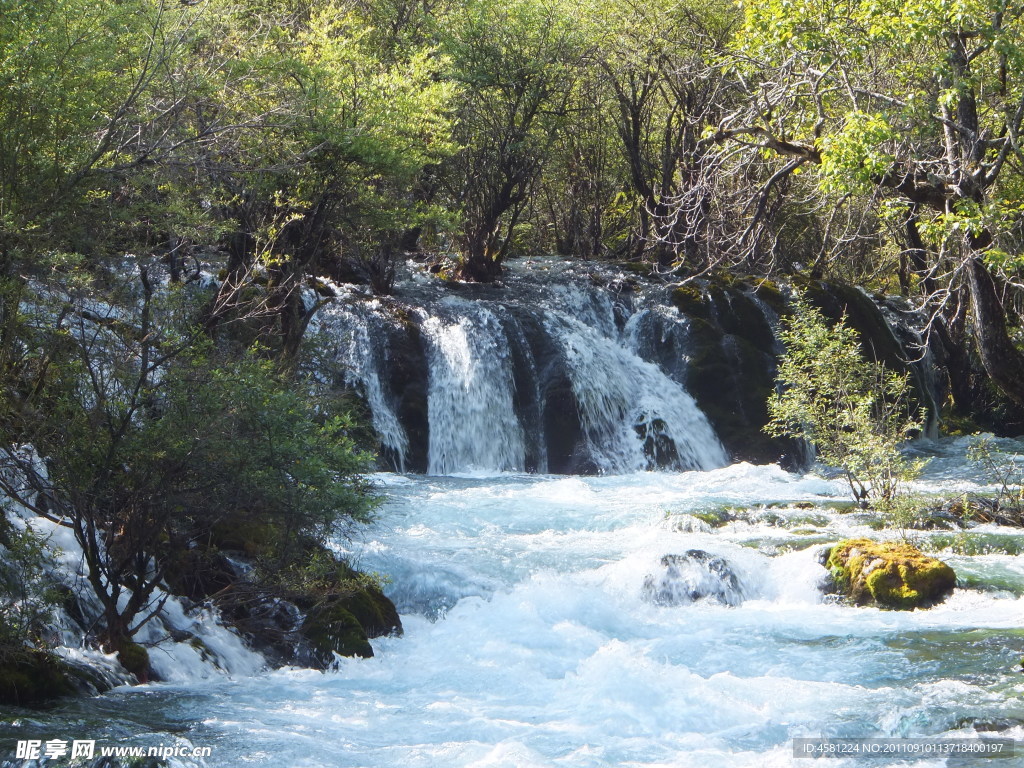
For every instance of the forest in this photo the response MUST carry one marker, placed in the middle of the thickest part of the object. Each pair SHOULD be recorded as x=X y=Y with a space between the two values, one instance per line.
x=186 y=186
x=874 y=143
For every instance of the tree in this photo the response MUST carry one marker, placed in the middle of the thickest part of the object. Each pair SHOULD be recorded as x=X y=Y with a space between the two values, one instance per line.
x=854 y=412
x=515 y=63
x=918 y=107
x=658 y=64
x=342 y=132
x=151 y=439
x=584 y=205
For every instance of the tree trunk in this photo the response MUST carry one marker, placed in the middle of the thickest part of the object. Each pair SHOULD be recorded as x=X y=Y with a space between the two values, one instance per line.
x=1003 y=362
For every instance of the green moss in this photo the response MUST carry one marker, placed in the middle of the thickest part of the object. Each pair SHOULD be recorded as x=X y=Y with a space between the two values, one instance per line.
x=889 y=574
x=30 y=678
x=135 y=659
x=690 y=300
x=973 y=544
x=771 y=294
x=818 y=521
x=716 y=517
x=642 y=268
x=344 y=608
x=331 y=629
x=957 y=424
x=773 y=545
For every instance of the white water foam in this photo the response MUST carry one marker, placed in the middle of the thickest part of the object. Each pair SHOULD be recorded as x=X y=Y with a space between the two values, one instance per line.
x=530 y=642
x=473 y=424
x=623 y=399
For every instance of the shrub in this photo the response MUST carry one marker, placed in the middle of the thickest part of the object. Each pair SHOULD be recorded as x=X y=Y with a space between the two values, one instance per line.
x=153 y=439
x=856 y=413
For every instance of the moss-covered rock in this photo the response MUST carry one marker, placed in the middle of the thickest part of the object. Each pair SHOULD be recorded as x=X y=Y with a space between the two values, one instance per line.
x=889 y=574
x=369 y=605
x=641 y=268
x=771 y=293
x=29 y=678
x=134 y=658
x=690 y=300
x=342 y=619
x=330 y=628
x=716 y=517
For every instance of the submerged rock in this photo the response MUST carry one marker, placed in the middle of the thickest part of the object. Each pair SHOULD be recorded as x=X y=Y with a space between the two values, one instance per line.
x=888 y=574
x=695 y=575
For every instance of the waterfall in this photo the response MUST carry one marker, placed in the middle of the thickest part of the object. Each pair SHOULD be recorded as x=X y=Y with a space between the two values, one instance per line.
x=357 y=330
x=473 y=424
x=542 y=374
x=633 y=415
x=580 y=369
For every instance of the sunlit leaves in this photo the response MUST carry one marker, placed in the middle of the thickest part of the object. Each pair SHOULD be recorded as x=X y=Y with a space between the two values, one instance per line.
x=854 y=156
x=855 y=412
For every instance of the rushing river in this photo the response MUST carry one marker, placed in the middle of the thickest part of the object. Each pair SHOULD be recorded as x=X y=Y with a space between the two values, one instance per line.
x=535 y=635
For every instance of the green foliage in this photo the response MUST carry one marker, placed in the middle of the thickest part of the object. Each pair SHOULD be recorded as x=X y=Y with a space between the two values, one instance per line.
x=854 y=412
x=81 y=122
x=905 y=88
x=1003 y=470
x=27 y=594
x=153 y=438
x=211 y=437
x=658 y=89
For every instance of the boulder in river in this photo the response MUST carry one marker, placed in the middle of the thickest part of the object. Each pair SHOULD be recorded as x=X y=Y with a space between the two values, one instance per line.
x=889 y=574
x=32 y=677
x=695 y=575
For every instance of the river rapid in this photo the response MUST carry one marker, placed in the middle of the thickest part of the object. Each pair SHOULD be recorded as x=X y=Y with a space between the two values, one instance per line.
x=542 y=629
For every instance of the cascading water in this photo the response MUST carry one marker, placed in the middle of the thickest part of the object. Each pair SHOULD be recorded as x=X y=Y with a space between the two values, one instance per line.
x=473 y=423
x=635 y=618
x=595 y=622
x=633 y=415
x=539 y=376
x=358 y=328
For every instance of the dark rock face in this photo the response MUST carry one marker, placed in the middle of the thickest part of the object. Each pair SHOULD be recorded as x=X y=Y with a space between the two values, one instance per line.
x=696 y=575
x=307 y=628
x=528 y=351
x=560 y=416
x=730 y=355
x=406 y=376
x=726 y=359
